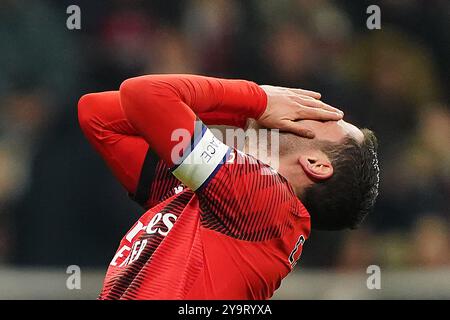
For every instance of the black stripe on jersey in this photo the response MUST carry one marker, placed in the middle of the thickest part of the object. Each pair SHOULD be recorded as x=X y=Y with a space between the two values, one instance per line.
x=224 y=160
x=148 y=172
x=236 y=216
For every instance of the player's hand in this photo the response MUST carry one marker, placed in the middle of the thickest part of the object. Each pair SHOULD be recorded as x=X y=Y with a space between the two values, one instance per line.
x=285 y=107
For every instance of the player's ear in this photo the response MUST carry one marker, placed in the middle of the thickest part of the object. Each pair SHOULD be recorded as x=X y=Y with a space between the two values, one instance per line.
x=316 y=165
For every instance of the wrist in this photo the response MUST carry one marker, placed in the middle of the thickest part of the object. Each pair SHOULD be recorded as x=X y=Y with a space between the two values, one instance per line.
x=261 y=103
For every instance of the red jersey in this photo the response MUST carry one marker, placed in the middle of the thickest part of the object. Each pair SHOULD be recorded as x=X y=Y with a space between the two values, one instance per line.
x=220 y=224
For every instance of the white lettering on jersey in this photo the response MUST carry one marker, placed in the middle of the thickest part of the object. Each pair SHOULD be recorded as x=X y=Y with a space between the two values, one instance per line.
x=132 y=253
x=178 y=189
x=136 y=251
x=167 y=221
x=119 y=254
x=133 y=232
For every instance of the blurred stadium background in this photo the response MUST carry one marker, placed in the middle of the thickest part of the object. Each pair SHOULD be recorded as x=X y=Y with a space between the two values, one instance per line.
x=60 y=206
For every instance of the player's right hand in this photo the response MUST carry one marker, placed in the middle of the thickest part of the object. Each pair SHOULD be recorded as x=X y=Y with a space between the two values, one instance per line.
x=286 y=106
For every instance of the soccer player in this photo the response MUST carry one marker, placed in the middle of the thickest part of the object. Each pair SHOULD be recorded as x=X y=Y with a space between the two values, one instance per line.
x=221 y=224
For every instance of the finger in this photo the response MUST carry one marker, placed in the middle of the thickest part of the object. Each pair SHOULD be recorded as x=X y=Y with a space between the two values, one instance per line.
x=309 y=93
x=298 y=130
x=319 y=104
x=328 y=107
x=307 y=113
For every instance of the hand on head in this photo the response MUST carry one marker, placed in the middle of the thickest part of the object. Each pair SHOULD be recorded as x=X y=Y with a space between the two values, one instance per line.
x=286 y=107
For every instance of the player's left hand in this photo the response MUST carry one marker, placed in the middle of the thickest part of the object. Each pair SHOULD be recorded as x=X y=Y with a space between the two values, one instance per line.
x=286 y=106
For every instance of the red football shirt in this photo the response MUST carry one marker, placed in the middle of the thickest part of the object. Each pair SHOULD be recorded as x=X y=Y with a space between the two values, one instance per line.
x=220 y=224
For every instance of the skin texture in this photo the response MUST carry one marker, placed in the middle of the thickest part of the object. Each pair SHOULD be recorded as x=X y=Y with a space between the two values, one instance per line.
x=333 y=131
x=303 y=163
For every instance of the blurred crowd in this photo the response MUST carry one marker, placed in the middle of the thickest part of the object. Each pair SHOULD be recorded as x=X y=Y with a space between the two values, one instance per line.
x=60 y=205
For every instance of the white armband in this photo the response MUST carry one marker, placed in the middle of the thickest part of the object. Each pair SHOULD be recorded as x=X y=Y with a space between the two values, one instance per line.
x=202 y=161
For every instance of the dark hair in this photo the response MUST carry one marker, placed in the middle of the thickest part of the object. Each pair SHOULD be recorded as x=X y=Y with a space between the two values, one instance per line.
x=344 y=200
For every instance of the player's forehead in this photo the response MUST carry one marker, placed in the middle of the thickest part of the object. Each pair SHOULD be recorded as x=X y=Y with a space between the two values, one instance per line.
x=351 y=130
x=334 y=130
